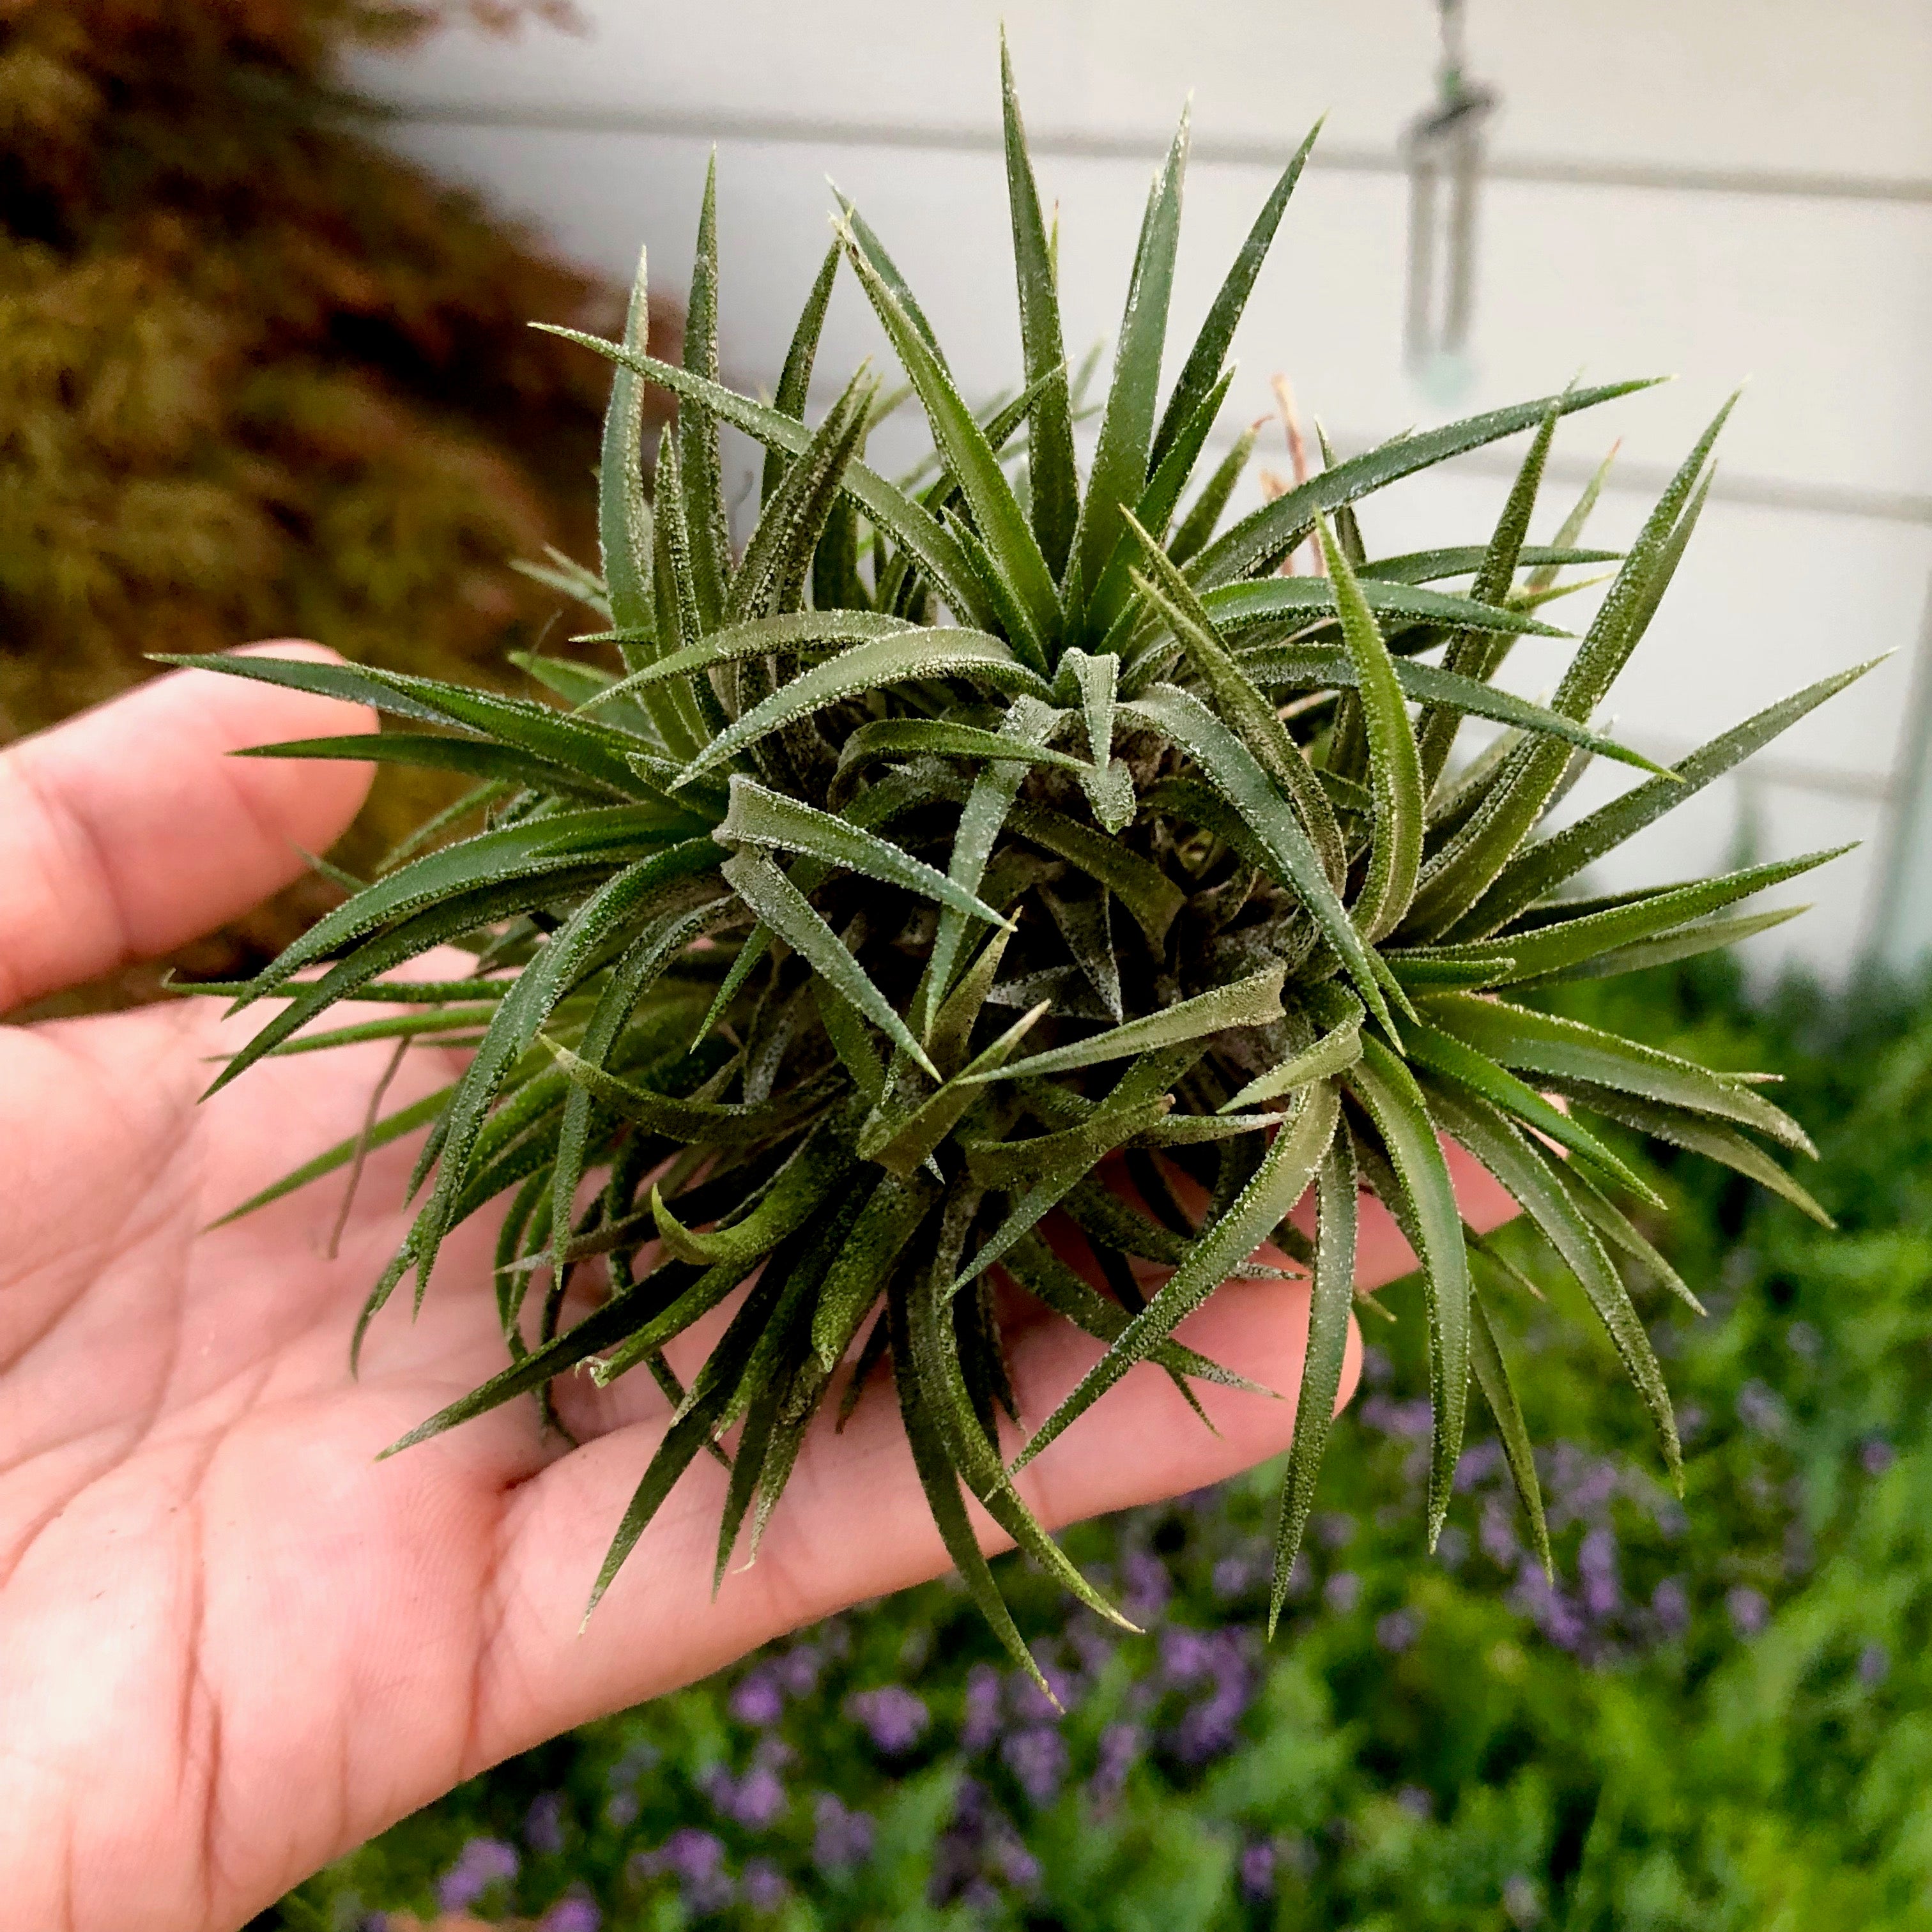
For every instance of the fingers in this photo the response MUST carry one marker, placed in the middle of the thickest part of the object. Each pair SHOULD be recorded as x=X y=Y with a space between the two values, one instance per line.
x=128 y=830
x=1383 y=1255
x=854 y=1522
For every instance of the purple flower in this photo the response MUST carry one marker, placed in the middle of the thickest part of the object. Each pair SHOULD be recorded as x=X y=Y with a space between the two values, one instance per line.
x=1396 y=1631
x=1376 y=1367
x=1091 y=1643
x=689 y=1853
x=1497 y=1534
x=1120 y=1745
x=1232 y=1576
x=1876 y=1455
x=543 y=1825
x=1030 y=1705
x=1037 y=1759
x=978 y=1851
x=622 y=1810
x=895 y=1718
x=758 y=1699
x=755 y=1801
x=480 y=1864
x=1332 y=1529
x=1409 y=1421
x=1874 y=1665
x=1477 y=1464
x=696 y=1859
x=798 y=1669
x=576 y=1913
x=1212 y=1727
x=979 y=1724
x=1596 y=1566
x=1417 y=1802
x=1017 y=1865
x=1556 y=1613
x=1749 y=1611
x=842 y=1838
x=1583 y=1486
x=1146 y=1586
x=763 y=1886
x=1188 y=1655
x=1257 y=1872
x=1341 y=1591
x=1671 y=1607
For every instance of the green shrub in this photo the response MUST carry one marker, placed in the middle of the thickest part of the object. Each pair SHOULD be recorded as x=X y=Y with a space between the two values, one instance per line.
x=257 y=375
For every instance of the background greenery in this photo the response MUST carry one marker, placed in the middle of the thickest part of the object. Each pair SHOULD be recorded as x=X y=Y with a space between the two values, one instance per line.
x=257 y=376
x=1721 y=1717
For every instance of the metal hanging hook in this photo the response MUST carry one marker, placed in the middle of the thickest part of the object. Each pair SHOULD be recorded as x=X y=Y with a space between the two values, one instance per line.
x=1443 y=146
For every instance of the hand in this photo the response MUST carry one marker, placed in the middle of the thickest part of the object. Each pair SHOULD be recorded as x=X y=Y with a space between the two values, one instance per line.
x=233 y=1645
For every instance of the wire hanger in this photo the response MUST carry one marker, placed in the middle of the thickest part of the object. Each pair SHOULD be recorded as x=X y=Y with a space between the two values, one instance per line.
x=1444 y=147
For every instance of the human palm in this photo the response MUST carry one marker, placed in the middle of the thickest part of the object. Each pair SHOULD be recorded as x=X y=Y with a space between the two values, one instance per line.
x=233 y=1644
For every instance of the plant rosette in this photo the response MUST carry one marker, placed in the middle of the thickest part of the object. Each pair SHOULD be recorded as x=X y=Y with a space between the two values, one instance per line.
x=1036 y=821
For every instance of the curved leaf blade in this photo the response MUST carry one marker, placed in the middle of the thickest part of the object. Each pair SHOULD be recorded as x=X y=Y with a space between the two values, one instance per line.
x=1395 y=764
x=1253 y=1001
x=896 y=659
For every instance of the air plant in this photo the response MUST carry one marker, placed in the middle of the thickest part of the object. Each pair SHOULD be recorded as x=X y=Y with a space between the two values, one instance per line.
x=954 y=837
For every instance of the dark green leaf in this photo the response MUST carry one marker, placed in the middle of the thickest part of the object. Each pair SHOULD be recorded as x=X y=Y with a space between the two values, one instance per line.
x=1302 y=666
x=1540 y=1185
x=1238 y=701
x=1427 y=1207
x=1444 y=1054
x=1395 y=769
x=1535 y=1043
x=791 y=915
x=1120 y=468
x=1544 y=949
x=938 y=552
x=1281 y=1180
x=1697 y=1134
x=1141 y=885
x=1233 y=770
x=896 y=659
x=1209 y=353
x=971 y=459
x=700 y=469
x=1253 y=1001
x=795 y=379
x=1331 y=1300
x=1260 y=540
x=1053 y=483
x=1540 y=869
x=1493 y=1377
x=623 y=517
x=1197 y=528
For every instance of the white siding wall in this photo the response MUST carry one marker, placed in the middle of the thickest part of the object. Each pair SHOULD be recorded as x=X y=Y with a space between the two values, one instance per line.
x=1755 y=201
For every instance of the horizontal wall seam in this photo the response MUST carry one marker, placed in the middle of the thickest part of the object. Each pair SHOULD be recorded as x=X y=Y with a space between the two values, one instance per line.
x=1625 y=477
x=1109 y=144
x=1766 y=493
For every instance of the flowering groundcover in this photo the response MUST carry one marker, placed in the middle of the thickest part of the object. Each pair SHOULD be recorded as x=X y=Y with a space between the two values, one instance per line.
x=1718 y=1716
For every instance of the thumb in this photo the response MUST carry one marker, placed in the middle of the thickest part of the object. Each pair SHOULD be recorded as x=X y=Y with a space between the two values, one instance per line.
x=128 y=830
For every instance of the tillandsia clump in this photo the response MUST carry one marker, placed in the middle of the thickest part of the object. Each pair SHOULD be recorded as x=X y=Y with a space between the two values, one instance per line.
x=956 y=835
